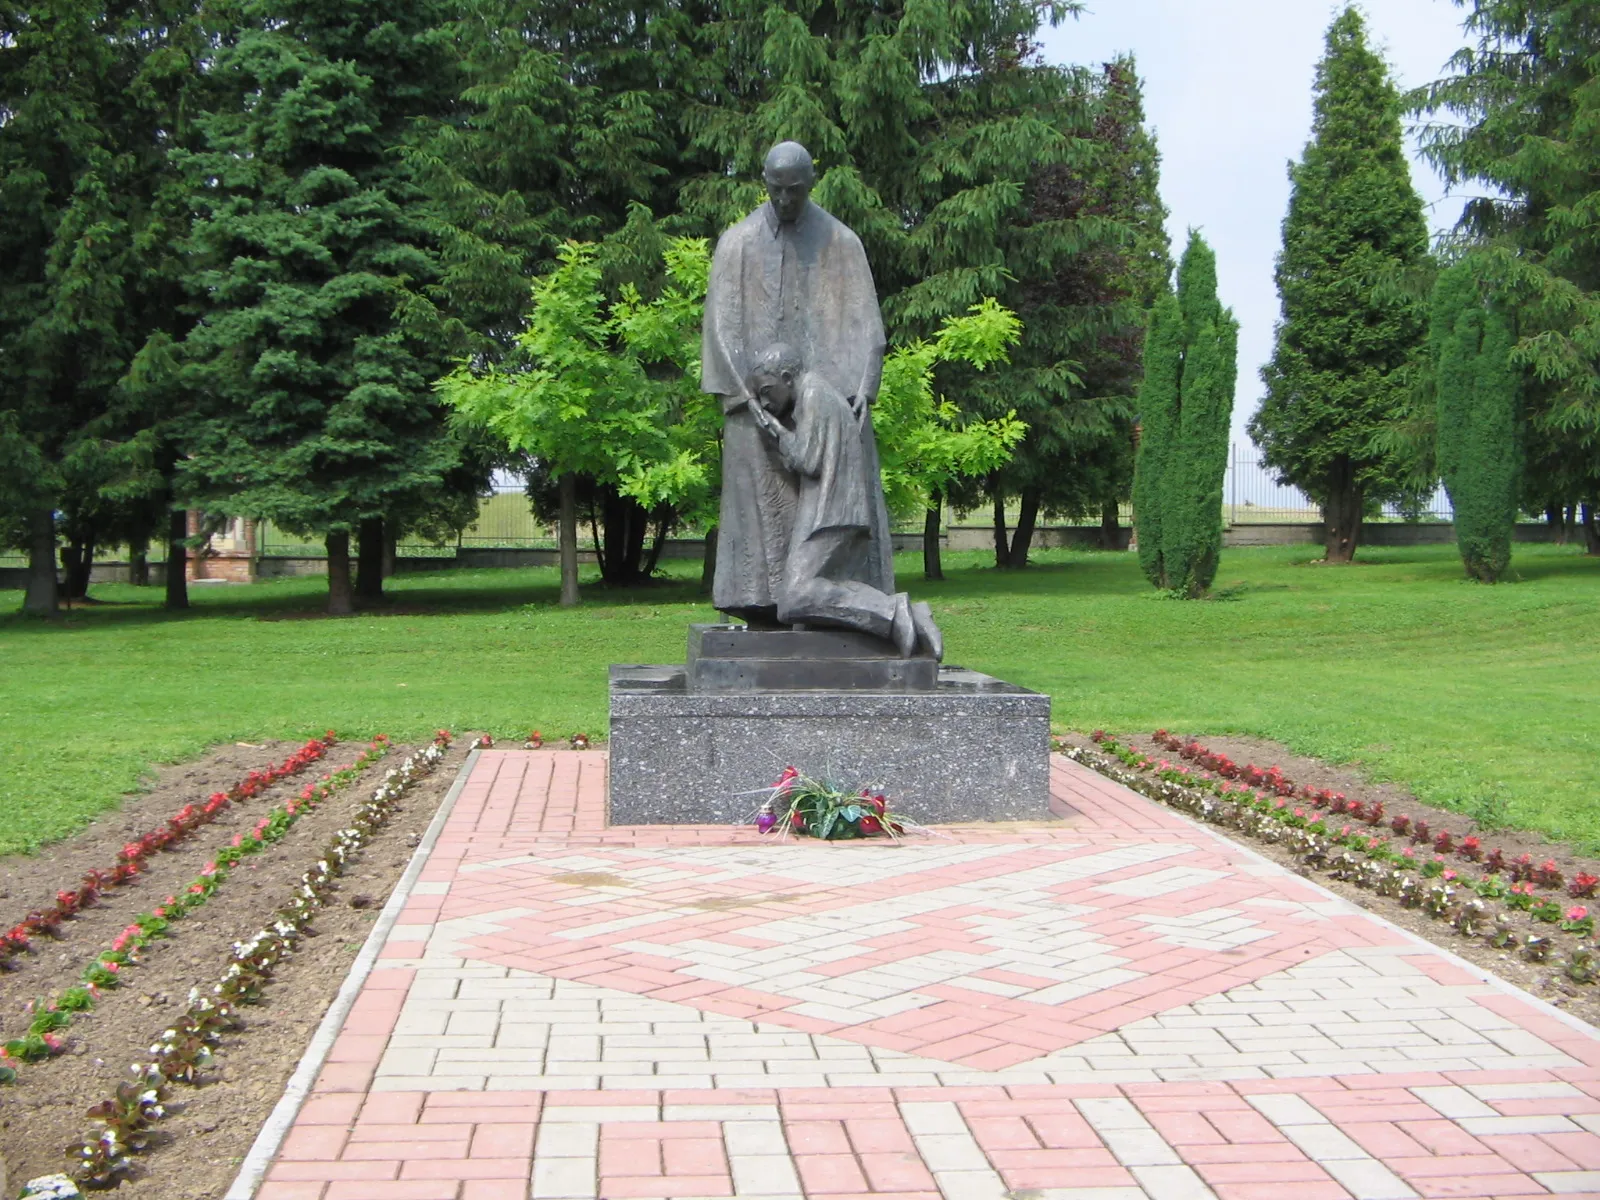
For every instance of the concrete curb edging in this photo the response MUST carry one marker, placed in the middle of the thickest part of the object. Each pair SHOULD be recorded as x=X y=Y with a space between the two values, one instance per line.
x=1483 y=974
x=265 y=1148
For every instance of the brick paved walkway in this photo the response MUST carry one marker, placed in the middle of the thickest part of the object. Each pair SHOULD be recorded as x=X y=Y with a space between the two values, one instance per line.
x=1110 y=1006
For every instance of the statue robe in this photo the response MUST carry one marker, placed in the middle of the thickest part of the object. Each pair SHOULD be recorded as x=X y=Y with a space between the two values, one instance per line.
x=808 y=285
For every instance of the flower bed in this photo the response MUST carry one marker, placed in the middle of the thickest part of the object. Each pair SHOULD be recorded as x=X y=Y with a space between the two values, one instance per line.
x=131 y=859
x=1454 y=881
x=124 y=1121
x=43 y=1040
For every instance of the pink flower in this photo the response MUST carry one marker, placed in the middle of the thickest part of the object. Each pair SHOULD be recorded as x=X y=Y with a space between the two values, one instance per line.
x=238 y=839
x=1449 y=875
x=1408 y=852
x=1577 y=913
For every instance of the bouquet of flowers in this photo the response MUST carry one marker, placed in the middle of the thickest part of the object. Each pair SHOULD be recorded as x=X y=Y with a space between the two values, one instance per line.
x=803 y=805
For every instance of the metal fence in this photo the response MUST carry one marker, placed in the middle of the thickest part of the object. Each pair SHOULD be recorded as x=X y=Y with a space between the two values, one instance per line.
x=1252 y=495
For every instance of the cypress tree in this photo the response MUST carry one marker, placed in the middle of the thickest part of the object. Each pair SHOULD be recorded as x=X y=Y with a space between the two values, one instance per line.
x=1522 y=103
x=319 y=339
x=1338 y=374
x=1158 y=413
x=1190 y=363
x=1479 y=419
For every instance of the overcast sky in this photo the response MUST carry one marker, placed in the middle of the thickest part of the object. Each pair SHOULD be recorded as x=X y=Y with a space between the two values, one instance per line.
x=1228 y=93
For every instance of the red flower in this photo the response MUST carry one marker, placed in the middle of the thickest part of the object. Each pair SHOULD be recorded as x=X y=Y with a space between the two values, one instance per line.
x=871 y=825
x=797 y=820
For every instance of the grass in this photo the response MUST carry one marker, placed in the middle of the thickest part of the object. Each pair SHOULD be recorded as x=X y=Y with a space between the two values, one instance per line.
x=1397 y=664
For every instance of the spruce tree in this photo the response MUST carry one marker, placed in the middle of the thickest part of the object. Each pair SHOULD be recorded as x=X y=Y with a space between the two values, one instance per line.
x=319 y=338
x=1094 y=305
x=1191 y=365
x=74 y=140
x=1479 y=419
x=1339 y=371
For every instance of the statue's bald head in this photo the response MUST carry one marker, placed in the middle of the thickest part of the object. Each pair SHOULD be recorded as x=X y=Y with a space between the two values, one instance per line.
x=789 y=174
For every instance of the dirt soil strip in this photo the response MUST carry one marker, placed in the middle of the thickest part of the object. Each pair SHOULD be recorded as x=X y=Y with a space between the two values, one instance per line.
x=268 y=1142
x=30 y=881
x=55 y=964
x=1543 y=980
x=213 y=1125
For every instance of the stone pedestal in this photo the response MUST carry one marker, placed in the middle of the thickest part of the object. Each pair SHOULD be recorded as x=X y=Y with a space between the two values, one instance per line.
x=970 y=748
x=732 y=658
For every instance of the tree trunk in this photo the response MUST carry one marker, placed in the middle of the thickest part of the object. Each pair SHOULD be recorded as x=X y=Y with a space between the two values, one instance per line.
x=138 y=566
x=659 y=542
x=708 y=565
x=369 y=559
x=1110 y=526
x=40 y=600
x=568 y=535
x=177 y=560
x=341 y=591
x=1569 y=524
x=624 y=524
x=1002 y=541
x=1343 y=515
x=77 y=561
x=932 y=566
x=1027 y=521
x=391 y=549
x=1591 y=530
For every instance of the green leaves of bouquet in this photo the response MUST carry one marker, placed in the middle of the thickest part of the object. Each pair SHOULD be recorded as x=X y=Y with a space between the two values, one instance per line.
x=802 y=805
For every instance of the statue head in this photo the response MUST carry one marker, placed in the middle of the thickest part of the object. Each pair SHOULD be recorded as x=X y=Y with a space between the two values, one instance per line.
x=772 y=378
x=789 y=174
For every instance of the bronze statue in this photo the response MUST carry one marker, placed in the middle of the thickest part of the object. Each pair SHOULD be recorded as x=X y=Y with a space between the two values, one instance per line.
x=790 y=286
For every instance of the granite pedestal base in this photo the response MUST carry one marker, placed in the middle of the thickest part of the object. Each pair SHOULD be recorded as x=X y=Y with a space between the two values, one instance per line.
x=972 y=749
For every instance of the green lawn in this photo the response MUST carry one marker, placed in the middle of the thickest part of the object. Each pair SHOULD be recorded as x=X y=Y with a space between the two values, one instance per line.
x=1395 y=663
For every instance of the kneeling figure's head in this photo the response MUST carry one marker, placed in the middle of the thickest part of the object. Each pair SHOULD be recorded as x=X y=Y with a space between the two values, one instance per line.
x=772 y=378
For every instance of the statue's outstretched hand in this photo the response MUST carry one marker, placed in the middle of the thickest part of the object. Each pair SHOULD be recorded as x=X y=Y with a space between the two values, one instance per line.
x=859 y=405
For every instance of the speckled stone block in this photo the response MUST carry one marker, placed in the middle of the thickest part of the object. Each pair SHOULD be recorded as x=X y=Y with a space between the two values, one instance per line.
x=973 y=749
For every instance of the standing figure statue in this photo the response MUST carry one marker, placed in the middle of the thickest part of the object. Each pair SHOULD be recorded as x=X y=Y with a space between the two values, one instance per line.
x=792 y=279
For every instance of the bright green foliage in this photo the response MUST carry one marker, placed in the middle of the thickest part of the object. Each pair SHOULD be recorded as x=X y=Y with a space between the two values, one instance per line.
x=925 y=443
x=1478 y=389
x=1191 y=357
x=319 y=342
x=1521 y=107
x=1346 y=347
x=608 y=391
x=611 y=391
